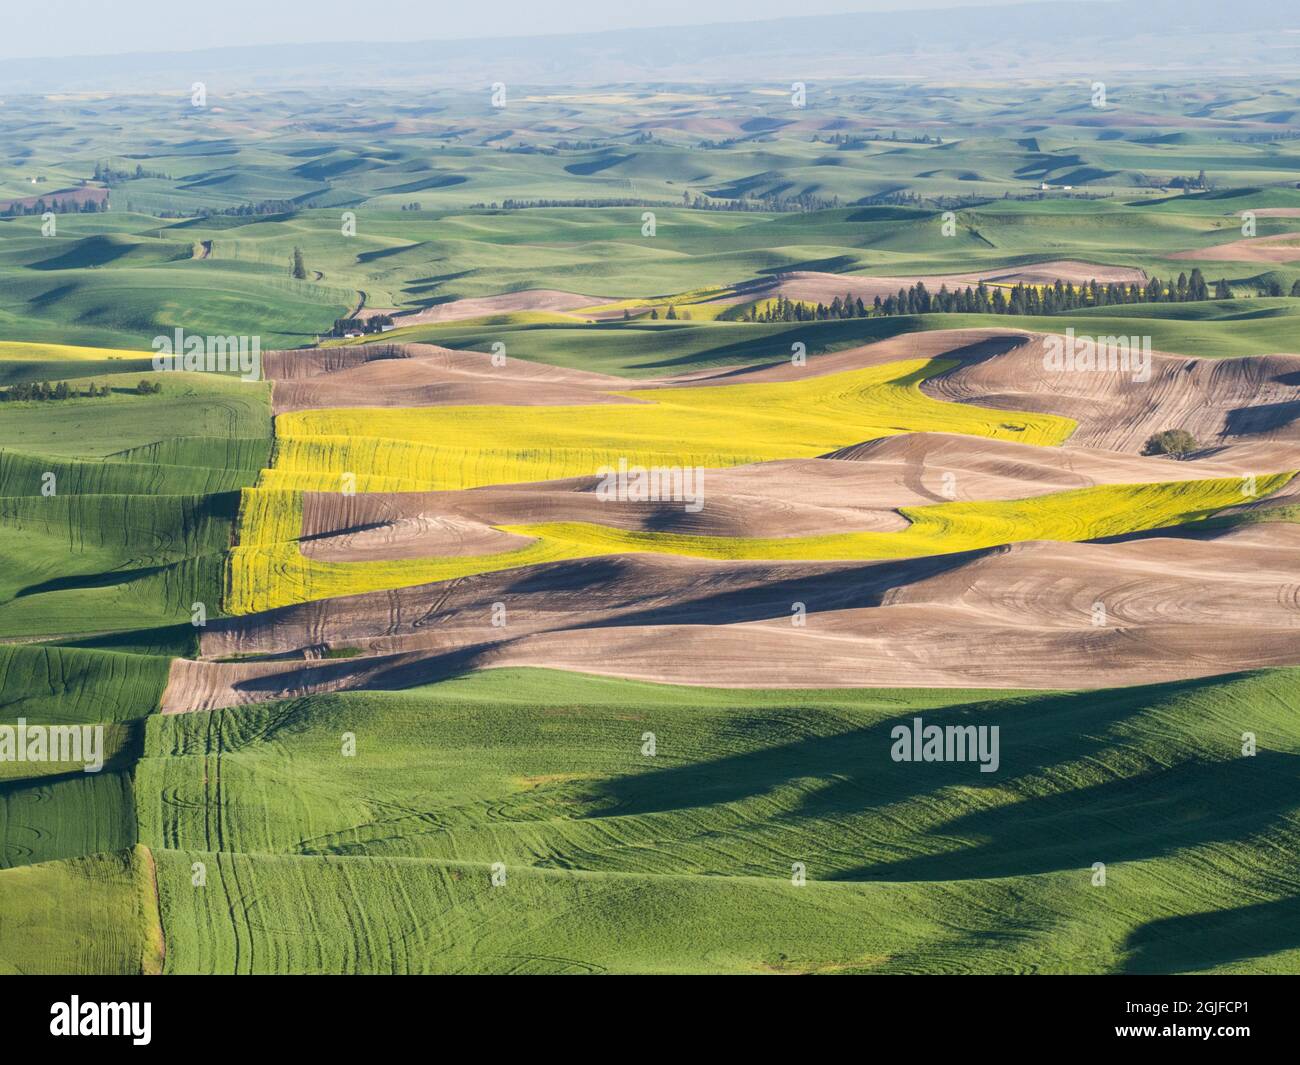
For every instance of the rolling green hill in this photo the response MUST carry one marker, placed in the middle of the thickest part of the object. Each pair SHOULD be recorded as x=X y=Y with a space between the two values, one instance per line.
x=615 y=861
x=530 y=821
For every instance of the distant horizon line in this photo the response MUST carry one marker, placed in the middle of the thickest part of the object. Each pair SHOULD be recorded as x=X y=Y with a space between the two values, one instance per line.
x=903 y=8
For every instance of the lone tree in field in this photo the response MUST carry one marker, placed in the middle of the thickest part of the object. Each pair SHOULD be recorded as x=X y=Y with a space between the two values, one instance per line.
x=1176 y=443
x=299 y=267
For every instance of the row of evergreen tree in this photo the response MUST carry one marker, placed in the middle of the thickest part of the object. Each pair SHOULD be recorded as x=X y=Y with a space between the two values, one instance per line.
x=985 y=299
x=17 y=208
x=43 y=390
x=518 y=205
x=772 y=204
x=853 y=141
x=244 y=210
x=109 y=175
x=25 y=391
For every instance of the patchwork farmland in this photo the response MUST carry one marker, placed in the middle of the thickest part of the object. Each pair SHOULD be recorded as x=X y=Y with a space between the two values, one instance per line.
x=622 y=473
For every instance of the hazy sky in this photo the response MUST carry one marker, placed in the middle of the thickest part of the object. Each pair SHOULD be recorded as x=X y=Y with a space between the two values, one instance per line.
x=102 y=27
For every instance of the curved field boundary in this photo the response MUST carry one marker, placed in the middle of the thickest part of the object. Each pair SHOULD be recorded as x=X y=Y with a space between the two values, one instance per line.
x=264 y=574
x=412 y=449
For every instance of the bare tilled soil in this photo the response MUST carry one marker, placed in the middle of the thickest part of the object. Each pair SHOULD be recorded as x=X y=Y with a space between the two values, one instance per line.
x=1174 y=603
x=1018 y=616
x=423 y=375
x=1280 y=248
x=814 y=287
x=1220 y=401
x=857 y=488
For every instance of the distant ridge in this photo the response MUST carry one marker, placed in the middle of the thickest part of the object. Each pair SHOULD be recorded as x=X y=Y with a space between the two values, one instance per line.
x=994 y=43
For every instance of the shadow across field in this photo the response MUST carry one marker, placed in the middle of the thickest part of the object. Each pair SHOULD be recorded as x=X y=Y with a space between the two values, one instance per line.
x=1202 y=940
x=1071 y=788
x=839 y=587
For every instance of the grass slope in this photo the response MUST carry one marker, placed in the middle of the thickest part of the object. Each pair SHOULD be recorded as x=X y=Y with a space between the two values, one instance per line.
x=116 y=512
x=80 y=564
x=97 y=914
x=681 y=862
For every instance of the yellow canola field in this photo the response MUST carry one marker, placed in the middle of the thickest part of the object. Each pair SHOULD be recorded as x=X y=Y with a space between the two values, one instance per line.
x=409 y=449
x=1082 y=514
x=267 y=573
x=441 y=448
x=23 y=351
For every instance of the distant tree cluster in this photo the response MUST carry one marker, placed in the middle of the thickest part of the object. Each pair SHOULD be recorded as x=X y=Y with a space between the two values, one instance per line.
x=262 y=207
x=1200 y=183
x=19 y=208
x=414 y=205
x=803 y=201
x=1050 y=299
x=1073 y=194
x=519 y=205
x=26 y=391
x=782 y=309
x=771 y=205
x=111 y=176
x=1262 y=138
x=898 y=198
x=984 y=299
x=861 y=140
x=373 y=324
x=729 y=142
x=1175 y=443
